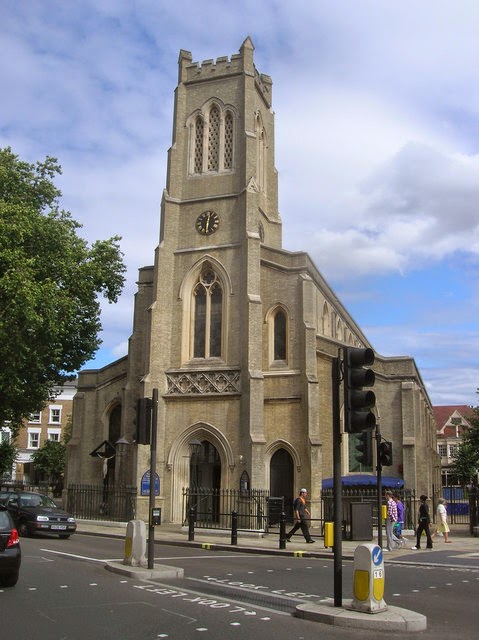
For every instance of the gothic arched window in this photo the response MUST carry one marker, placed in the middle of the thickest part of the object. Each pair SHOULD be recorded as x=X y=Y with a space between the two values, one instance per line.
x=198 y=154
x=212 y=139
x=208 y=315
x=280 y=335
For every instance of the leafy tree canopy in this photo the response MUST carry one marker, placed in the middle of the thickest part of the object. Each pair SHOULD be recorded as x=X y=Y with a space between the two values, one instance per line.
x=50 y=459
x=8 y=455
x=466 y=461
x=50 y=282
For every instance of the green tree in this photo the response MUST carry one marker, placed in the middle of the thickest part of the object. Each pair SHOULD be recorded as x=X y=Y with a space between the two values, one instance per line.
x=8 y=455
x=465 y=466
x=49 y=460
x=50 y=283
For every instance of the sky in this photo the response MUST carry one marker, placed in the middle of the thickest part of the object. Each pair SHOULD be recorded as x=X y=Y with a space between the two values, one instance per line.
x=377 y=146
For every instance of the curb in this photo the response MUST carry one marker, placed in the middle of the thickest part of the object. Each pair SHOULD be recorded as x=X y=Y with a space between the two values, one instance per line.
x=393 y=620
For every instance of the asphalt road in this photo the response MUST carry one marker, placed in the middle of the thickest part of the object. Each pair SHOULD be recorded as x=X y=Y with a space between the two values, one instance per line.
x=64 y=592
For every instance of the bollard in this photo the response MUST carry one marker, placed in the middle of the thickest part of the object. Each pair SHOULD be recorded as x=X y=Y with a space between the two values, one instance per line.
x=191 y=525
x=329 y=534
x=369 y=576
x=282 y=531
x=135 y=544
x=234 y=527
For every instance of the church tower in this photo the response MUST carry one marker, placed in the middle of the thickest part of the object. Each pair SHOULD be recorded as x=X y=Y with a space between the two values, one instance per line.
x=219 y=205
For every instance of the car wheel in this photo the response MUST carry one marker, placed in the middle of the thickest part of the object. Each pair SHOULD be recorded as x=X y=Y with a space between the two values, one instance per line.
x=23 y=529
x=10 y=580
x=64 y=536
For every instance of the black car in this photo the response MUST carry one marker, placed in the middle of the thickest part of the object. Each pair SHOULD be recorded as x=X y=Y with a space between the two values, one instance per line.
x=10 y=553
x=37 y=513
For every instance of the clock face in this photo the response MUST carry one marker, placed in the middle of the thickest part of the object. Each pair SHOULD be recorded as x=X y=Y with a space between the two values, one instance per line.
x=207 y=222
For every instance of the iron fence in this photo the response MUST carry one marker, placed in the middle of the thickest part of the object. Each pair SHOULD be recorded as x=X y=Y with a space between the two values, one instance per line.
x=213 y=508
x=101 y=502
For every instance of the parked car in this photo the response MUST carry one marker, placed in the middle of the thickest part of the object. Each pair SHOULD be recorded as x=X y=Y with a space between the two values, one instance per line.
x=36 y=513
x=10 y=553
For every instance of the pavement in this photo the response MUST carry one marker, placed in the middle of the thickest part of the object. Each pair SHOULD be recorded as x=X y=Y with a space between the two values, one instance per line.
x=392 y=619
x=268 y=543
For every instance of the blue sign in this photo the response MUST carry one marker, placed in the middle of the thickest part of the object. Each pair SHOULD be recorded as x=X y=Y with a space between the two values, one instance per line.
x=377 y=555
x=145 y=484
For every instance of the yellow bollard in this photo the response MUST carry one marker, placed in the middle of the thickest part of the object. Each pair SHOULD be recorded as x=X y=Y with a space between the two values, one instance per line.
x=328 y=534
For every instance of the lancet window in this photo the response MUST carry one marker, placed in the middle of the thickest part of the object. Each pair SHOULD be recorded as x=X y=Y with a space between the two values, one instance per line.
x=212 y=140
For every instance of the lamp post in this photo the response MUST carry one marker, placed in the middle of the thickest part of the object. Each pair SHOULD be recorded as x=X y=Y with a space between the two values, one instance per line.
x=195 y=448
x=121 y=446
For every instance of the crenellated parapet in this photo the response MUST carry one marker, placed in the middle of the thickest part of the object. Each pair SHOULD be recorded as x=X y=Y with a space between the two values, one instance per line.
x=223 y=66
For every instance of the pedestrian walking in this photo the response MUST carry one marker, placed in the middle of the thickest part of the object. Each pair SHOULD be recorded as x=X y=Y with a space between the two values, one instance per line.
x=301 y=514
x=391 y=519
x=397 y=530
x=441 y=520
x=424 y=522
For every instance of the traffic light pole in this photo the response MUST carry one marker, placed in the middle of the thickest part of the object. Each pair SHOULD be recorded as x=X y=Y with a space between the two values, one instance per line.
x=379 y=485
x=151 y=528
x=337 y=497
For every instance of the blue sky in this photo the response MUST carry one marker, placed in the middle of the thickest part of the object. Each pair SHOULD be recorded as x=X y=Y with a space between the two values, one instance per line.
x=377 y=146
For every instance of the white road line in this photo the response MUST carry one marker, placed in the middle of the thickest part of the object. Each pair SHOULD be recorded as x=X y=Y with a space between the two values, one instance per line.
x=78 y=557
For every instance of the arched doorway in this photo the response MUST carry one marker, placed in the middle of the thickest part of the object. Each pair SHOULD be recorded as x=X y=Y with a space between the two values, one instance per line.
x=281 y=479
x=205 y=480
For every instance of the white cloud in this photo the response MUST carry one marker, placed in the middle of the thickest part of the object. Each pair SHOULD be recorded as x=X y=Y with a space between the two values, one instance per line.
x=377 y=128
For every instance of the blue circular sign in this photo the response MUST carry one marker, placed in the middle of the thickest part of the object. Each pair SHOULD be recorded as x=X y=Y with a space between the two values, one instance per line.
x=377 y=556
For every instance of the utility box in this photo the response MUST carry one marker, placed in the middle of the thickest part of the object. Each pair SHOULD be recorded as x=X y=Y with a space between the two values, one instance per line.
x=275 y=509
x=361 y=517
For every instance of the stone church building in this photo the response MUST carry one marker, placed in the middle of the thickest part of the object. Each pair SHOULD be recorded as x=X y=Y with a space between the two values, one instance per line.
x=237 y=334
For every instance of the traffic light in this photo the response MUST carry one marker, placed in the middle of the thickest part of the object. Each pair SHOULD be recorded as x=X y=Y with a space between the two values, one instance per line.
x=143 y=421
x=364 y=448
x=386 y=453
x=357 y=401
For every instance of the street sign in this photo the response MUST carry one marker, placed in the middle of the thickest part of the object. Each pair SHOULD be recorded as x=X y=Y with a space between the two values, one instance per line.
x=145 y=484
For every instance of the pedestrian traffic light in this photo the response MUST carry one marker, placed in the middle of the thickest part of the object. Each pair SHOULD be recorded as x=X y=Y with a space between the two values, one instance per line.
x=386 y=453
x=357 y=401
x=364 y=448
x=143 y=421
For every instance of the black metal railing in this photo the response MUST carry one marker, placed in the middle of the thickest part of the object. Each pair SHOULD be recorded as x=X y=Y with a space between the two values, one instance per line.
x=101 y=502
x=213 y=508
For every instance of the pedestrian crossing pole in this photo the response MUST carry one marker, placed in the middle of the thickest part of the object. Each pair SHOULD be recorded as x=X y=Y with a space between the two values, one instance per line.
x=337 y=495
x=151 y=528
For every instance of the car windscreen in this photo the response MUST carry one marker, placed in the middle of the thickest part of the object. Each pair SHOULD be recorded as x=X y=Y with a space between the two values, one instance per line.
x=34 y=500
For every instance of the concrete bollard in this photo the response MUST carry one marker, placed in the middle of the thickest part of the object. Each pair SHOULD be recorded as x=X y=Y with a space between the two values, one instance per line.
x=368 y=579
x=135 y=544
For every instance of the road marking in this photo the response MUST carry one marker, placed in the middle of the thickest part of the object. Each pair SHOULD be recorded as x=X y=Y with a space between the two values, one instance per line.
x=224 y=582
x=76 y=556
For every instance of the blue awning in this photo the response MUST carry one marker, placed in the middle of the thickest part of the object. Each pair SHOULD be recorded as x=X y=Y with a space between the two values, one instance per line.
x=360 y=480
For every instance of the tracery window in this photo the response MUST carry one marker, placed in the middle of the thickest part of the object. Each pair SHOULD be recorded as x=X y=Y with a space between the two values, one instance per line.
x=198 y=160
x=208 y=315
x=212 y=140
x=229 y=140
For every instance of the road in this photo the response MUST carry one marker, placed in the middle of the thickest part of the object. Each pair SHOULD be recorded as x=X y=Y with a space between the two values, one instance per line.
x=64 y=592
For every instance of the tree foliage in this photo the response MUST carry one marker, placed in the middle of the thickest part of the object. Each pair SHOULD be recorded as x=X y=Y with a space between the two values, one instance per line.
x=50 y=283
x=466 y=460
x=49 y=460
x=8 y=455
